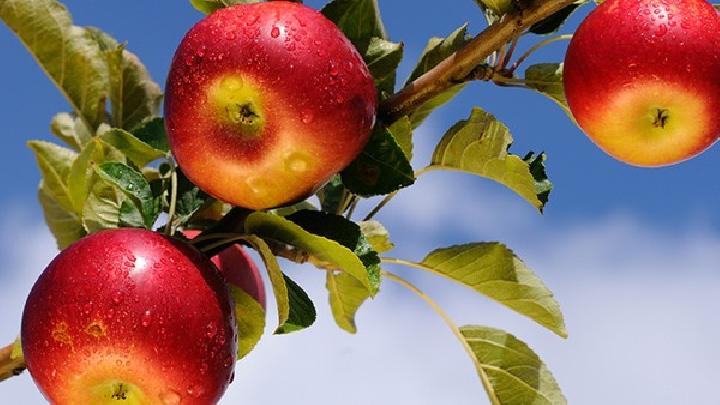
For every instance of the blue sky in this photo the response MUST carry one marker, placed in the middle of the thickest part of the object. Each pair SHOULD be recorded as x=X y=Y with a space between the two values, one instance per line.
x=632 y=254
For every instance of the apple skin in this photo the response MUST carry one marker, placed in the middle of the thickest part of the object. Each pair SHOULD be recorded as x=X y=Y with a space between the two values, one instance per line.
x=238 y=269
x=265 y=102
x=133 y=313
x=642 y=78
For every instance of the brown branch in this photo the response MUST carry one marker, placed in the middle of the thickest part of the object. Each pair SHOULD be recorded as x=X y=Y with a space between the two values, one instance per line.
x=459 y=67
x=10 y=366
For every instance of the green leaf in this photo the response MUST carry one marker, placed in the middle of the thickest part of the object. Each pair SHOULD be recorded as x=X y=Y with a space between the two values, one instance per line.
x=249 y=318
x=437 y=50
x=543 y=186
x=134 y=96
x=68 y=54
x=515 y=374
x=82 y=173
x=383 y=58
x=419 y=114
x=323 y=252
x=17 y=352
x=346 y=295
x=65 y=225
x=103 y=207
x=401 y=130
x=555 y=21
x=132 y=183
x=331 y=195
x=152 y=132
x=55 y=163
x=345 y=232
x=494 y=271
x=302 y=311
x=547 y=79
x=377 y=235
x=139 y=152
x=189 y=198
x=381 y=167
x=71 y=130
x=210 y=6
x=479 y=145
x=358 y=19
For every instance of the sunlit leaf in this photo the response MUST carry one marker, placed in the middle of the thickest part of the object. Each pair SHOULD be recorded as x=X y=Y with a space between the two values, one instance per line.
x=139 y=152
x=547 y=79
x=55 y=163
x=132 y=183
x=65 y=225
x=377 y=235
x=515 y=374
x=249 y=318
x=67 y=53
x=152 y=132
x=345 y=294
x=71 y=130
x=383 y=58
x=494 y=271
x=479 y=145
x=302 y=311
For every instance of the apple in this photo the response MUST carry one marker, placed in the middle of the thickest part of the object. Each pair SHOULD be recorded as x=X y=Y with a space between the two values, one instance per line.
x=131 y=315
x=238 y=269
x=265 y=102
x=642 y=78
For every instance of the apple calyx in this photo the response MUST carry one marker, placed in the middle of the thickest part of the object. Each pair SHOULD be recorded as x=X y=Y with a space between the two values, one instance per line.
x=661 y=117
x=114 y=390
x=237 y=103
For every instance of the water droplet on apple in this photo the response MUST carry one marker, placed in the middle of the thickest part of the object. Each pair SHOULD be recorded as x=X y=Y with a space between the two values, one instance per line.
x=275 y=32
x=307 y=117
x=230 y=35
x=333 y=70
x=211 y=330
x=661 y=30
x=146 y=318
x=170 y=397
x=196 y=390
x=203 y=368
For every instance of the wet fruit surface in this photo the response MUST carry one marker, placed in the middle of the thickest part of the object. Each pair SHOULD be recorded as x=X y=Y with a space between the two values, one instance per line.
x=642 y=78
x=130 y=315
x=265 y=102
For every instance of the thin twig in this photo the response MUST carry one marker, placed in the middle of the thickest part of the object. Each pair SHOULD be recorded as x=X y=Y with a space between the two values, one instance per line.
x=169 y=228
x=537 y=46
x=10 y=365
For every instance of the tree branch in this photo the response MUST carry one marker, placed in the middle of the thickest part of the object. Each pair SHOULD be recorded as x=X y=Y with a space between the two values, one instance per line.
x=10 y=366
x=460 y=66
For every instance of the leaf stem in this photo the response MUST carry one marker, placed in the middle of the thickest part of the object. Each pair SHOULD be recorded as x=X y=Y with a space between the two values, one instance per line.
x=537 y=46
x=455 y=330
x=10 y=366
x=459 y=66
x=169 y=227
x=392 y=195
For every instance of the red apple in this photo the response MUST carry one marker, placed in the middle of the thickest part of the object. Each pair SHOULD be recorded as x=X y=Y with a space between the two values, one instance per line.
x=238 y=269
x=642 y=78
x=265 y=102
x=133 y=315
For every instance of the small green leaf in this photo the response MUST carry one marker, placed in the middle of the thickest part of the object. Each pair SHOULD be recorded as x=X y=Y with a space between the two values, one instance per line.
x=132 y=183
x=498 y=7
x=437 y=50
x=383 y=58
x=55 y=163
x=331 y=195
x=17 y=352
x=103 y=206
x=207 y=6
x=358 y=19
x=67 y=53
x=249 y=318
x=547 y=79
x=139 y=152
x=516 y=375
x=377 y=235
x=134 y=96
x=381 y=168
x=323 y=252
x=346 y=294
x=71 y=130
x=82 y=173
x=302 y=311
x=555 y=21
x=401 y=130
x=479 y=145
x=189 y=198
x=65 y=225
x=494 y=271
x=543 y=186
x=152 y=132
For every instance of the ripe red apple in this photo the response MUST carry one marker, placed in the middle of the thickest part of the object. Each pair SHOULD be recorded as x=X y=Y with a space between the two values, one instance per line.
x=132 y=315
x=642 y=78
x=238 y=269
x=265 y=102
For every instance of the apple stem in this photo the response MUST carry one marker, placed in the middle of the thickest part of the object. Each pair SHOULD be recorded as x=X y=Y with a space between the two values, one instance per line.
x=661 y=117
x=459 y=66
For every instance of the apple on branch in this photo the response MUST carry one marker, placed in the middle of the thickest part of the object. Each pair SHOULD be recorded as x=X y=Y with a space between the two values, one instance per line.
x=642 y=78
x=131 y=316
x=265 y=102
